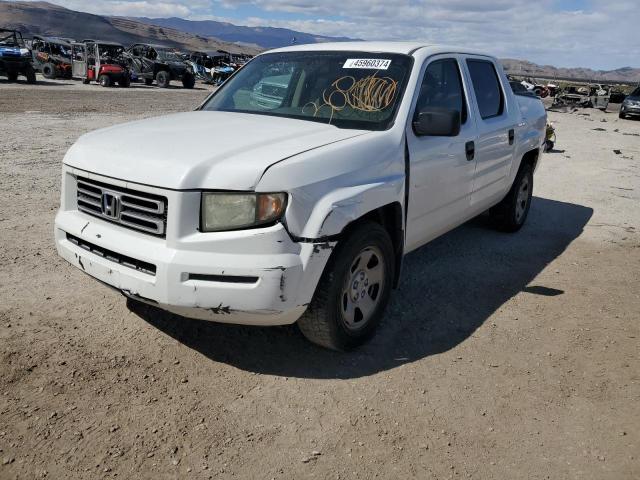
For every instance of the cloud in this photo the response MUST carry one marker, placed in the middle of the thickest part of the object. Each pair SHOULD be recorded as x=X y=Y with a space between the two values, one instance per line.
x=599 y=34
x=133 y=8
x=588 y=33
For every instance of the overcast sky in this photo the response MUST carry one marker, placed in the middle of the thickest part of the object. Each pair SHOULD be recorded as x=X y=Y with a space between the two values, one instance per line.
x=599 y=34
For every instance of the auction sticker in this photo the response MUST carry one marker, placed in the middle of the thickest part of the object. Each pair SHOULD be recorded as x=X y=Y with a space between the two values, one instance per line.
x=369 y=63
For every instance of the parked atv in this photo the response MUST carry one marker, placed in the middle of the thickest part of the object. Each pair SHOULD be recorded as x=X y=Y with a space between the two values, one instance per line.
x=15 y=59
x=101 y=62
x=51 y=56
x=155 y=62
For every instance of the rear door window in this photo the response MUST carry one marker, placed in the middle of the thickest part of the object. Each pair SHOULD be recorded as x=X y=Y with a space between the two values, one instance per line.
x=486 y=87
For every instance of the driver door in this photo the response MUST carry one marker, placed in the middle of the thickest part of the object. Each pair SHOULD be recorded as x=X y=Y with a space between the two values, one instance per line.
x=441 y=169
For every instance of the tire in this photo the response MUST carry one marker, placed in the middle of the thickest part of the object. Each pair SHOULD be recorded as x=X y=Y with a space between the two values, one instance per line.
x=125 y=81
x=12 y=76
x=49 y=71
x=163 y=79
x=511 y=213
x=148 y=82
x=105 y=80
x=622 y=115
x=30 y=73
x=86 y=81
x=188 y=81
x=326 y=322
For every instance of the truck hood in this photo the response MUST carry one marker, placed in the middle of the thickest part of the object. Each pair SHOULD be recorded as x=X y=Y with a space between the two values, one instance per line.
x=199 y=150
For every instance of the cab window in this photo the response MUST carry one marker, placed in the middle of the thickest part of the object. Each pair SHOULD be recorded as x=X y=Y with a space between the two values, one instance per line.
x=442 y=88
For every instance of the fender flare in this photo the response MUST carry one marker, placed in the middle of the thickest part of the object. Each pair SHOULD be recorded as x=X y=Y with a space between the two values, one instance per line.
x=341 y=207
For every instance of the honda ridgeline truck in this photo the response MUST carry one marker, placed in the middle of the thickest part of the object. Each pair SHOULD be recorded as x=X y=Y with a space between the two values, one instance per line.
x=294 y=191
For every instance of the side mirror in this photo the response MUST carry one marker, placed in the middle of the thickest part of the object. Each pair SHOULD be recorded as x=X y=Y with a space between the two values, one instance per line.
x=437 y=122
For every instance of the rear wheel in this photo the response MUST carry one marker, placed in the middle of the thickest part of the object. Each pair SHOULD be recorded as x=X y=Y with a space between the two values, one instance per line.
x=30 y=73
x=125 y=80
x=105 y=80
x=353 y=292
x=510 y=214
x=49 y=70
x=188 y=81
x=163 y=79
x=622 y=115
x=12 y=76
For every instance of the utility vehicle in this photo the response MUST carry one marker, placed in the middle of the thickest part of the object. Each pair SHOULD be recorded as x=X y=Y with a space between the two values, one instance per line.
x=160 y=64
x=101 y=62
x=15 y=58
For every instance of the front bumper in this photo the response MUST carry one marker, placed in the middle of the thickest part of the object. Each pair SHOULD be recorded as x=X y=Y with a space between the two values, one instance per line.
x=254 y=277
x=630 y=109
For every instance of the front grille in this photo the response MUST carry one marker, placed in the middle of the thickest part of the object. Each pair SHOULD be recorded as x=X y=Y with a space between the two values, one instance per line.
x=141 y=211
x=139 y=265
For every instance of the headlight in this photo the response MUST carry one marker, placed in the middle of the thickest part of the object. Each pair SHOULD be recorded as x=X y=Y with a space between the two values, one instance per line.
x=234 y=211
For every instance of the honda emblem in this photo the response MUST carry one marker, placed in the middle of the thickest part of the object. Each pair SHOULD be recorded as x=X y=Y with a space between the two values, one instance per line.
x=110 y=205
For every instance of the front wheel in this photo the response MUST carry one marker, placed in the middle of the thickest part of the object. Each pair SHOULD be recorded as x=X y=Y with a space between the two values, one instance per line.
x=105 y=80
x=353 y=292
x=622 y=115
x=163 y=79
x=510 y=214
x=12 y=76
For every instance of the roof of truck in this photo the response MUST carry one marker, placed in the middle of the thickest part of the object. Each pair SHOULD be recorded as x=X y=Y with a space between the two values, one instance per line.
x=406 y=48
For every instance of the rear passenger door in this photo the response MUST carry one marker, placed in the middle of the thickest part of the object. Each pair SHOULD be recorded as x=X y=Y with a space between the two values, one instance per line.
x=494 y=147
x=441 y=172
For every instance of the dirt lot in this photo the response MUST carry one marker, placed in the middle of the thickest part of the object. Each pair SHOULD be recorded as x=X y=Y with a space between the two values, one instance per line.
x=501 y=356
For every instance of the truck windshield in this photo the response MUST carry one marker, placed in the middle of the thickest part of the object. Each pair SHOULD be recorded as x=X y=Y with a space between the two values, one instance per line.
x=356 y=90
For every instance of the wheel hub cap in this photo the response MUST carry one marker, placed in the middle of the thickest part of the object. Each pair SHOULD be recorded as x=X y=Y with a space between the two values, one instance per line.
x=522 y=199
x=362 y=288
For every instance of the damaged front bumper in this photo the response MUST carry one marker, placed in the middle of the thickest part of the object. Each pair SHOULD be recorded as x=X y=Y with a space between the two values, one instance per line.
x=247 y=286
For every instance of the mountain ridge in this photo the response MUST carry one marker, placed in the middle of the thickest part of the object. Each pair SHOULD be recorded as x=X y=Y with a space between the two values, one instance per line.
x=265 y=36
x=43 y=18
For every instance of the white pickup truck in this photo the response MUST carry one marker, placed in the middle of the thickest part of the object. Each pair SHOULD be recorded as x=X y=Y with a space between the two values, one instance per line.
x=294 y=191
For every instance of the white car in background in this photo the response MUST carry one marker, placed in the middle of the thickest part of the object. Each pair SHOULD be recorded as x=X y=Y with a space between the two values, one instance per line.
x=301 y=208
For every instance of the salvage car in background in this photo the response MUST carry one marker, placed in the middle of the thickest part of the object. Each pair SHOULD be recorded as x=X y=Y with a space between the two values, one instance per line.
x=585 y=96
x=631 y=104
x=160 y=64
x=101 y=62
x=15 y=58
x=301 y=209
x=51 y=56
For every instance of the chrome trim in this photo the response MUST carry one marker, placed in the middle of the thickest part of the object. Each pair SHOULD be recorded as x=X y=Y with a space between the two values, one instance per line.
x=132 y=209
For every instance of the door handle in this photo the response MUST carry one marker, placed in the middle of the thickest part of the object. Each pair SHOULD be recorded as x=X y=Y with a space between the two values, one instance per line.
x=470 y=150
x=512 y=136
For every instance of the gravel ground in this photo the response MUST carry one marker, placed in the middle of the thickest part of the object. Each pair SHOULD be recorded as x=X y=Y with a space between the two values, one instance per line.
x=500 y=357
